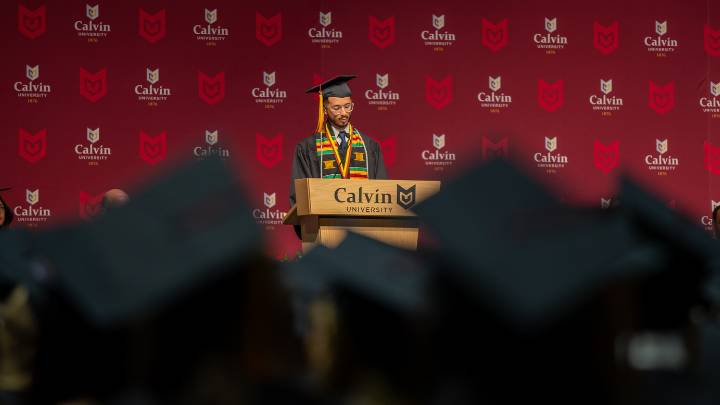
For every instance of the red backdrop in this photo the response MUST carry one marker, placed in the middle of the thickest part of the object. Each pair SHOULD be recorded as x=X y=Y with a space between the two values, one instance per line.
x=108 y=96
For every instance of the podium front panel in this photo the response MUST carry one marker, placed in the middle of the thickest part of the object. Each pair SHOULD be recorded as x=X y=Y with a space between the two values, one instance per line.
x=362 y=198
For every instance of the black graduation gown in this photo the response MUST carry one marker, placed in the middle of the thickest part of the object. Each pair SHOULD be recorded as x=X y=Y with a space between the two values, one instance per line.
x=306 y=163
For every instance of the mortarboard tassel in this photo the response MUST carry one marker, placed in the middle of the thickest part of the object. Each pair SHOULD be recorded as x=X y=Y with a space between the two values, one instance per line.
x=319 y=127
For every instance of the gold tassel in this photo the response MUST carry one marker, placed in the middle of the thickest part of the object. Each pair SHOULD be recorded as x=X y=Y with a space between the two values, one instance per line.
x=321 y=120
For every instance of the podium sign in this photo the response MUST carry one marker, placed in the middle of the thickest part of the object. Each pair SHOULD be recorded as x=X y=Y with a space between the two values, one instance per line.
x=381 y=209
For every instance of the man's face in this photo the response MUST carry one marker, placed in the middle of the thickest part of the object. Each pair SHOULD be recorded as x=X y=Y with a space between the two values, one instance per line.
x=2 y=214
x=338 y=110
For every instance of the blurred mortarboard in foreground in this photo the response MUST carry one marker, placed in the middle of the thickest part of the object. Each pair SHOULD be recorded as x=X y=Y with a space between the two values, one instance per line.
x=390 y=276
x=684 y=276
x=379 y=295
x=660 y=222
x=524 y=255
x=182 y=232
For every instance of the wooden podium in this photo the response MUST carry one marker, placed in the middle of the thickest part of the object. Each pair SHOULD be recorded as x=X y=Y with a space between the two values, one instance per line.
x=381 y=209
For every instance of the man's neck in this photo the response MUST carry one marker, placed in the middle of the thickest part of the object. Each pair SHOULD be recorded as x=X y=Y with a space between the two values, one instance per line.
x=337 y=130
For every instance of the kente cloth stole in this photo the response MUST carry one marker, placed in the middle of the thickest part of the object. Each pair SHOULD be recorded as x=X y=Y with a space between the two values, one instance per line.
x=334 y=166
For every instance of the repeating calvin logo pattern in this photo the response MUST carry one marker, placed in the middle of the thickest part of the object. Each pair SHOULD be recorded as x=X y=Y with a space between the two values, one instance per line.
x=91 y=28
x=605 y=101
x=661 y=98
x=495 y=149
x=32 y=23
x=32 y=147
x=268 y=151
x=270 y=95
x=710 y=104
x=550 y=159
x=32 y=90
x=438 y=38
x=211 y=89
x=322 y=34
x=269 y=215
x=209 y=32
x=494 y=100
x=660 y=43
x=712 y=158
x=438 y=157
x=606 y=157
x=93 y=85
x=606 y=38
x=381 y=96
x=211 y=148
x=707 y=220
x=151 y=27
x=550 y=40
x=712 y=40
x=551 y=96
x=152 y=94
x=268 y=30
x=438 y=93
x=661 y=163
x=31 y=213
x=153 y=148
x=90 y=206
x=93 y=152
x=494 y=36
x=381 y=33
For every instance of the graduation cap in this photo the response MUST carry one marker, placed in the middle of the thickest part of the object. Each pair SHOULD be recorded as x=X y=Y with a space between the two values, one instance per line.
x=173 y=275
x=8 y=210
x=521 y=285
x=335 y=87
x=525 y=257
x=177 y=234
x=378 y=295
x=685 y=277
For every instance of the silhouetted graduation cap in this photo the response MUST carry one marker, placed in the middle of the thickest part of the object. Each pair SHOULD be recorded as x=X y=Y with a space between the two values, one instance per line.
x=659 y=222
x=523 y=255
x=380 y=297
x=520 y=287
x=388 y=275
x=177 y=235
x=335 y=87
x=690 y=257
x=151 y=291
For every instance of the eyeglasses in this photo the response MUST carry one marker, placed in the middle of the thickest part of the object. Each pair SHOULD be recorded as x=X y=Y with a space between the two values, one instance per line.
x=347 y=107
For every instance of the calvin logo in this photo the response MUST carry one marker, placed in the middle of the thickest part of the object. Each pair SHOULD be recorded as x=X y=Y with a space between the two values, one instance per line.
x=438 y=93
x=381 y=33
x=151 y=27
x=606 y=38
x=606 y=158
x=551 y=96
x=406 y=196
x=31 y=23
x=495 y=35
x=268 y=30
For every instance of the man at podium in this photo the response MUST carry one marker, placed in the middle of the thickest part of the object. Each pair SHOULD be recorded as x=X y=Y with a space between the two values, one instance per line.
x=336 y=150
